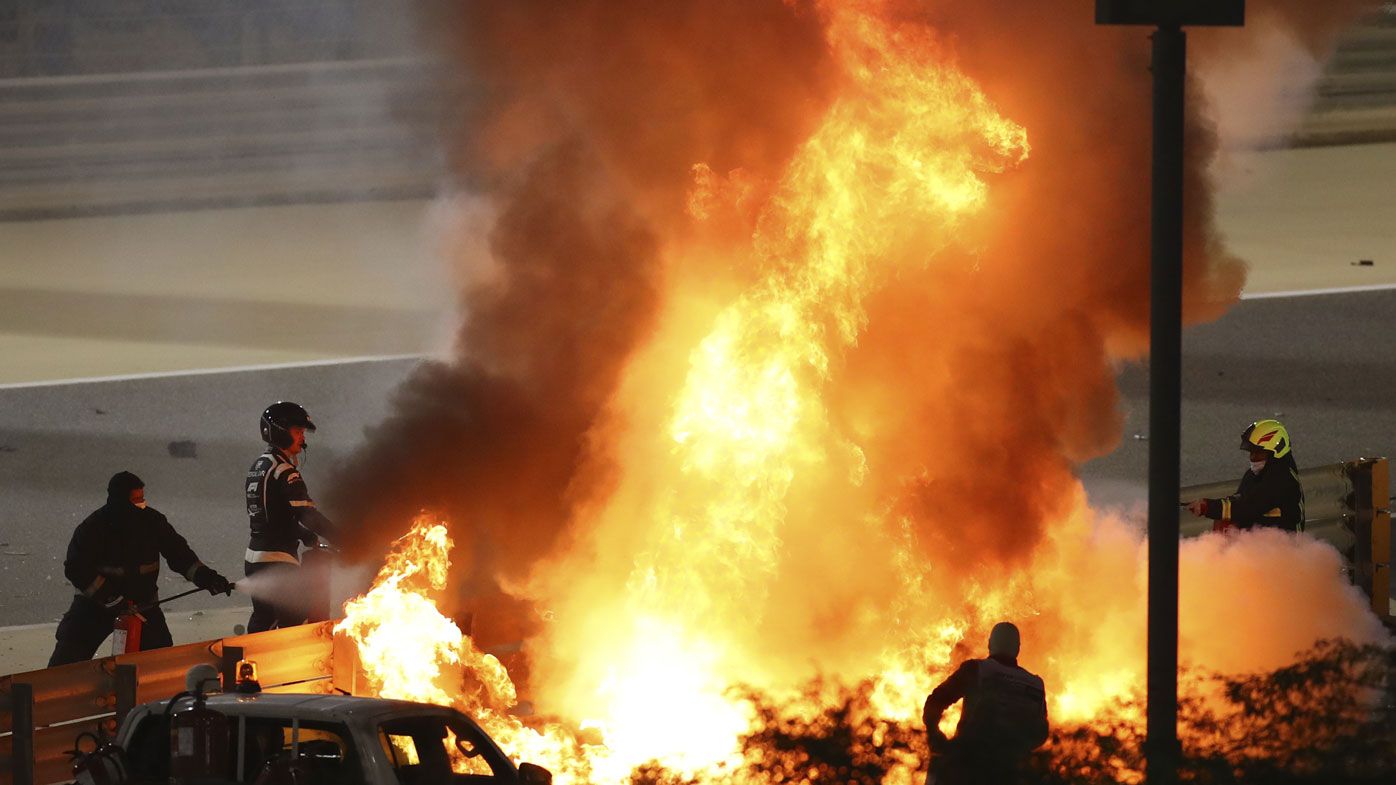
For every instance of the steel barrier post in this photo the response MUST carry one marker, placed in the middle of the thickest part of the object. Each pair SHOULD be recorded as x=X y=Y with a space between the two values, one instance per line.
x=126 y=681
x=22 y=738
x=1381 y=539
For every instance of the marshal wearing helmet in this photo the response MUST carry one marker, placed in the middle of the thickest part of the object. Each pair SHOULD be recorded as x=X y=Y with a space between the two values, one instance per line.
x=282 y=517
x=1269 y=493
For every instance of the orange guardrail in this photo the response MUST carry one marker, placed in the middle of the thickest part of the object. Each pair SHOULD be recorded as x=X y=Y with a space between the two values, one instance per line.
x=43 y=711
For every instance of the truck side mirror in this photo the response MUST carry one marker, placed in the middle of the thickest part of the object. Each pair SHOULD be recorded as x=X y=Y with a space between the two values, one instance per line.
x=533 y=774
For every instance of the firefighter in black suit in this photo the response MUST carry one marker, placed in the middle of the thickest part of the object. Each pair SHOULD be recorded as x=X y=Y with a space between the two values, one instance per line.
x=1269 y=493
x=114 y=561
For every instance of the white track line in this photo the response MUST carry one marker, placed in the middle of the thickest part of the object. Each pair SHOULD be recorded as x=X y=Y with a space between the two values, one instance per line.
x=1376 y=287
x=210 y=371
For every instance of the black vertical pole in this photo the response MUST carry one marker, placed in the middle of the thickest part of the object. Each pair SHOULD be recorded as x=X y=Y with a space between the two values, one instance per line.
x=1165 y=394
x=22 y=736
x=127 y=683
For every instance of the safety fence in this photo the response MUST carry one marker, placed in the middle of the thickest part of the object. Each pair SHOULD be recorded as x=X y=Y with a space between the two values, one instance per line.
x=49 y=38
x=1355 y=99
x=42 y=712
x=1347 y=505
x=148 y=106
x=158 y=106
x=298 y=133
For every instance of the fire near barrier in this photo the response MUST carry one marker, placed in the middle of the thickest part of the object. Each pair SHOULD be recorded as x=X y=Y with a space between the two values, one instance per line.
x=1346 y=507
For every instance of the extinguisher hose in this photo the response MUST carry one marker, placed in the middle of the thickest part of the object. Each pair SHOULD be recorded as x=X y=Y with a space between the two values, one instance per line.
x=157 y=603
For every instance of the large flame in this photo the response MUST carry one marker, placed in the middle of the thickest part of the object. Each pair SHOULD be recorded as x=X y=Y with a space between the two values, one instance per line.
x=752 y=535
x=897 y=163
x=409 y=650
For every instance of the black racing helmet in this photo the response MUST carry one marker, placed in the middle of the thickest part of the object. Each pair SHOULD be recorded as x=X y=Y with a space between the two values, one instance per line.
x=280 y=418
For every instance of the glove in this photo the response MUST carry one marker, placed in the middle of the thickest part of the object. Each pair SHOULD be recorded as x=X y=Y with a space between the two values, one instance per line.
x=1221 y=526
x=309 y=538
x=207 y=578
x=1198 y=508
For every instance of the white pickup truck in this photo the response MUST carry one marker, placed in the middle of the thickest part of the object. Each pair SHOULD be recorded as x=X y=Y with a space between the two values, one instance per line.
x=287 y=739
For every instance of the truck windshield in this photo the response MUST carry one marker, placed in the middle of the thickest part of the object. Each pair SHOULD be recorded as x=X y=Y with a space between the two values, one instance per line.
x=260 y=750
x=315 y=753
x=442 y=749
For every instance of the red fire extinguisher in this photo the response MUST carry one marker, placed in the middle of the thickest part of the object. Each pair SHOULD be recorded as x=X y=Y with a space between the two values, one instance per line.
x=126 y=631
x=199 y=741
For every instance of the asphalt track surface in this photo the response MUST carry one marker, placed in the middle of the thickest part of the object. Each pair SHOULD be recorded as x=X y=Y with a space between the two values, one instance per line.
x=190 y=437
x=1325 y=364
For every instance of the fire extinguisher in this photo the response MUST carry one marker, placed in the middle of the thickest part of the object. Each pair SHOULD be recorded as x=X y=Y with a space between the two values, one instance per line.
x=105 y=764
x=199 y=741
x=126 y=630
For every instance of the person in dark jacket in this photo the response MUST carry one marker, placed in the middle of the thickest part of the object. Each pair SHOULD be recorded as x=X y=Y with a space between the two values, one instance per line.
x=1002 y=720
x=282 y=516
x=114 y=561
x=1269 y=493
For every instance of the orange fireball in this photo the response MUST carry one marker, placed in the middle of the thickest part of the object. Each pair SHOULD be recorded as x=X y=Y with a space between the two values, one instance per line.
x=797 y=483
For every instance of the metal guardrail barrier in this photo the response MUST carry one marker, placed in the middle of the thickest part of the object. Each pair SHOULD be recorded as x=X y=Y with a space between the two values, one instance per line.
x=46 y=38
x=1347 y=505
x=43 y=711
x=173 y=140
x=107 y=119
x=149 y=106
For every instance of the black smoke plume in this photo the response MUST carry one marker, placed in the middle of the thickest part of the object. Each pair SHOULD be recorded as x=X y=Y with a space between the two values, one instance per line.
x=578 y=128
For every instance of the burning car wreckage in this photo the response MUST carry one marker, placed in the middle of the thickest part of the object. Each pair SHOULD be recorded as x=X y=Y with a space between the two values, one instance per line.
x=848 y=351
